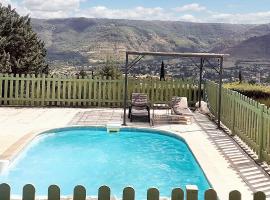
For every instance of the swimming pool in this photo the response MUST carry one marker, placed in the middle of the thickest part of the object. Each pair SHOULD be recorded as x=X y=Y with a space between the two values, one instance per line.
x=92 y=157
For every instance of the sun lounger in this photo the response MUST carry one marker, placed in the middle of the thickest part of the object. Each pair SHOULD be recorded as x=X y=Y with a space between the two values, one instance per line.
x=139 y=106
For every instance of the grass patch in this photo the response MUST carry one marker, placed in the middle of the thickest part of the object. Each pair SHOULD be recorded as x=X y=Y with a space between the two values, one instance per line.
x=257 y=92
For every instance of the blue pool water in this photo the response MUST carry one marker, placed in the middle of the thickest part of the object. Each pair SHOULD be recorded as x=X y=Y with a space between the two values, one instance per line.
x=92 y=157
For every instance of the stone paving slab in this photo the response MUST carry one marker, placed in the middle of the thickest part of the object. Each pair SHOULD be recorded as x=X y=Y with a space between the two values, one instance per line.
x=226 y=166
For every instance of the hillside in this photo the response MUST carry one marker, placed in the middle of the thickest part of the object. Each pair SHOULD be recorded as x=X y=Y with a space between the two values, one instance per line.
x=76 y=37
x=253 y=48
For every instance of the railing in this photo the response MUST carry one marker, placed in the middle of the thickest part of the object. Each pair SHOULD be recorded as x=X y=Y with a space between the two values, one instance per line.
x=104 y=193
x=245 y=117
x=31 y=90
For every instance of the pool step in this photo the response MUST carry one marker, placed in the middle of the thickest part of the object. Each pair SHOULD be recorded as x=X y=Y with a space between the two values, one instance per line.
x=113 y=128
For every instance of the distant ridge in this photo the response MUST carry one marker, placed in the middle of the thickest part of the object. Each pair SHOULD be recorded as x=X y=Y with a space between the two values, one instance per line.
x=78 y=36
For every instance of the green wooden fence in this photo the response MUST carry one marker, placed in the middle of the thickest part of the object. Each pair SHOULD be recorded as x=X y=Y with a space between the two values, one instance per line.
x=245 y=117
x=41 y=90
x=104 y=193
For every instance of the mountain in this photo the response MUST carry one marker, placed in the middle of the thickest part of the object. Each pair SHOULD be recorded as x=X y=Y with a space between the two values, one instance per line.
x=78 y=38
x=256 y=48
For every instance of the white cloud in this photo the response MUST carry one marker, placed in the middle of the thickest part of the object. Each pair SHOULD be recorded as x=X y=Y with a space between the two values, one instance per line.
x=5 y=2
x=189 y=18
x=49 y=8
x=135 y=13
x=189 y=12
x=20 y=9
x=51 y=5
x=194 y=7
x=247 y=18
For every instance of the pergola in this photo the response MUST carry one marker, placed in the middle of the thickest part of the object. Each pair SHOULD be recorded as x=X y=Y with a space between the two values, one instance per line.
x=204 y=57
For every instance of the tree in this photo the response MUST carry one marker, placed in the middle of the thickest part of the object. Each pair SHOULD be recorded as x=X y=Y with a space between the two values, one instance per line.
x=110 y=69
x=240 y=77
x=162 y=72
x=21 y=51
x=81 y=73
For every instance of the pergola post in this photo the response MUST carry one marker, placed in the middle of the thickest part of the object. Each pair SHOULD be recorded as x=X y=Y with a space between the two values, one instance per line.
x=220 y=91
x=125 y=91
x=200 y=82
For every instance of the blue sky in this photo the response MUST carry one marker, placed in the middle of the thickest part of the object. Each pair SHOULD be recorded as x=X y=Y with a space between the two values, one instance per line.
x=220 y=11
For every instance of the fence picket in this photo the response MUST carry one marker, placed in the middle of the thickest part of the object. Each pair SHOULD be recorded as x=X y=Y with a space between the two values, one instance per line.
x=104 y=88
x=53 y=192
x=4 y=191
x=128 y=193
x=95 y=91
x=177 y=194
x=79 y=193
x=64 y=89
x=69 y=97
x=152 y=194
x=6 y=83
x=235 y=195
x=259 y=196
x=28 y=192
x=90 y=93
x=59 y=90
x=84 y=95
x=38 y=94
x=74 y=91
x=1 y=89
x=192 y=192
x=22 y=89
x=11 y=90
x=210 y=195
x=28 y=79
x=79 y=91
x=32 y=89
x=104 y=193
x=54 y=90
x=119 y=90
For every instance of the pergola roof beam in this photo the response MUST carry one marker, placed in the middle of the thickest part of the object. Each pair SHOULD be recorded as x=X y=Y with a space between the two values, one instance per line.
x=176 y=54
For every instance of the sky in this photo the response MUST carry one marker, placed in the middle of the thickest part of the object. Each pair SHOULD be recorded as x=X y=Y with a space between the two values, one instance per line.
x=214 y=11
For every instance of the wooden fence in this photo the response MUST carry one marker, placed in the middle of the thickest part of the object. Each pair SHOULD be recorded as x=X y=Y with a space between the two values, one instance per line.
x=31 y=90
x=104 y=193
x=245 y=117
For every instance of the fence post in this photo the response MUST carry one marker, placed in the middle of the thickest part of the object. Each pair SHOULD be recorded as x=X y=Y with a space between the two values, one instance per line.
x=261 y=128
x=192 y=192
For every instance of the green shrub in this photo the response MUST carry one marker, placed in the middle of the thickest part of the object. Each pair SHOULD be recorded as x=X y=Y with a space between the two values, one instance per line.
x=257 y=92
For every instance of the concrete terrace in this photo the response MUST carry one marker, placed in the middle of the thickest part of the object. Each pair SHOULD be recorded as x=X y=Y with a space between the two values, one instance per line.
x=225 y=164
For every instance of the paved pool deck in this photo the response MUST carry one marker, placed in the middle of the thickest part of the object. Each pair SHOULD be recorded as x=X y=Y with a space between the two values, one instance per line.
x=225 y=164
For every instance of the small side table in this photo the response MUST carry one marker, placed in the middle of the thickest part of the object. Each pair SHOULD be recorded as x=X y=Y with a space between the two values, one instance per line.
x=162 y=106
